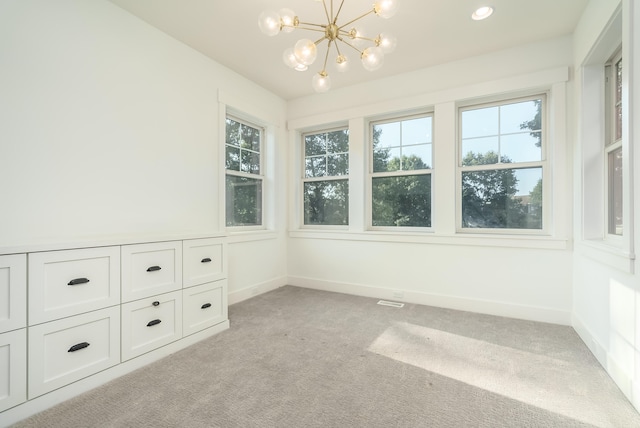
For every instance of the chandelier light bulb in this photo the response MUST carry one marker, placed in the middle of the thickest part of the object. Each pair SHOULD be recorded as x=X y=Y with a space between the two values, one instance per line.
x=372 y=58
x=342 y=63
x=290 y=60
x=321 y=82
x=269 y=23
x=305 y=51
x=385 y=8
x=387 y=42
x=358 y=38
x=288 y=20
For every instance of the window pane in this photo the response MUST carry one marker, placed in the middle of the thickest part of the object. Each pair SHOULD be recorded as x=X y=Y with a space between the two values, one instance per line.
x=250 y=162
x=402 y=201
x=315 y=145
x=232 y=161
x=250 y=138
x=386 y=135
x=233 y=132
x=338 y=164
x=416 y=157
x=244 y=201
x=521 y=147
x=386 y=159
x=505 y=198
x=480 y=151
x=416 y=131
x=316 y=166
x=516 y=117
x=326 y=202
x=338 y=141
x=615 y=192
x=480 y=122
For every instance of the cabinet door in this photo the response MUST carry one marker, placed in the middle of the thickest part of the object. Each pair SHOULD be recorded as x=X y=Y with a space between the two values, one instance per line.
x=151 y=269
x=204 y=306
x=64 y=351
x=13 y=292
x=71 y=282
x=150 y=323
x=204 y=261
x=13 y=368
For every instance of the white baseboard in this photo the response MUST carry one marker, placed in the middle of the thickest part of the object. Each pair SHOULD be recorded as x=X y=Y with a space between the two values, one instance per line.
x=623 y=379
x=50 y=399
x=503 y=309
x=256 y=289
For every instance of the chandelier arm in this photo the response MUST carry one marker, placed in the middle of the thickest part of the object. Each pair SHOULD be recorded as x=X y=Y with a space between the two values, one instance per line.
x=319 y=40
x=326 y=57
x=326 y=12
x=312 y=29
x=338 y=49
x=349 y=44
x=354 y=20
x=348 y=33
x=335 y=18
x=312 y=24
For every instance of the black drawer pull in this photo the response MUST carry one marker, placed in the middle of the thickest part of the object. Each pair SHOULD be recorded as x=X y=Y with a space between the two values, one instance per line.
x=207 y=260
x=154 y=322
x=206 y=305
x=153 y=268
x=78 y=281
x=78 y=347
x=156 y=303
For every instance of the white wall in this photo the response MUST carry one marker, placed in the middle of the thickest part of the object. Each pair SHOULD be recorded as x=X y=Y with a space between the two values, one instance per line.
x=520 y=276
x=606 y=291
x=110 y=128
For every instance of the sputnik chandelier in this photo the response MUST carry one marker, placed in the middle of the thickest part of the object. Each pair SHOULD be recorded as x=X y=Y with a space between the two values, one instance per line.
x=305 y=51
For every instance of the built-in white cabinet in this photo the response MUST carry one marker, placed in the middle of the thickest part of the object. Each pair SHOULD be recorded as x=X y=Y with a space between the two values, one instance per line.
x=13 y=292
x=150 y=269
x=67 y=283
x=70 y=315
x=13 y=368
x=204 y=306
x=13 y=332
x=150 y=323
x=63 y=351
x=204 y=261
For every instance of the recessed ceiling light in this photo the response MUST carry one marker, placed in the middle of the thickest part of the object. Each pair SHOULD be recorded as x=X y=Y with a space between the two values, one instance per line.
x=482 y=13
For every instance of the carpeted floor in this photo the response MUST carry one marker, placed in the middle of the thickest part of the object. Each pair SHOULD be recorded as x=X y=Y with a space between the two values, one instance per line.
x=302 y=358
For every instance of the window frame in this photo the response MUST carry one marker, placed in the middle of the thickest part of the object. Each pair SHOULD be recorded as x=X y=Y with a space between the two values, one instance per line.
x=304 y=179
x=371 y=175
x=612 y=143
x=544 y=163
x=229 y=172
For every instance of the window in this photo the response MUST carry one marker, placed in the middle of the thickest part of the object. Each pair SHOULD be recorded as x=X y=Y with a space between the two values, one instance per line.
x=401 y=165
x=326 y=182
x=613 y=145
x=501 y=165
x=243 y=148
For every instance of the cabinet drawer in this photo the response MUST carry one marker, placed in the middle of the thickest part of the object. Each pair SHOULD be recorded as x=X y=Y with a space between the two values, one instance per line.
x=13 y=292
x=203 y=261
x=150 y=323
x=66 y=283
x=63 y=351
x=150 y=269
x=13 y=368
x=204 y=306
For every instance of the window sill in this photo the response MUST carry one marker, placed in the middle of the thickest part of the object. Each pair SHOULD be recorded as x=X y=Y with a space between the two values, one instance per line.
x=537 y=242
x=607 y=254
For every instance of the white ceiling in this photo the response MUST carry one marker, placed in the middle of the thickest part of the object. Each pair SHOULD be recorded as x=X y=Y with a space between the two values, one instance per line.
x=429 y=32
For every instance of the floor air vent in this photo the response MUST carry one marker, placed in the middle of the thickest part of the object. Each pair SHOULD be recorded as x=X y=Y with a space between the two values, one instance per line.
x=394 y=304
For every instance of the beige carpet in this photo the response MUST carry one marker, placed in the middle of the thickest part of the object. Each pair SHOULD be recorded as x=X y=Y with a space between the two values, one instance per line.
x=303 y=358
